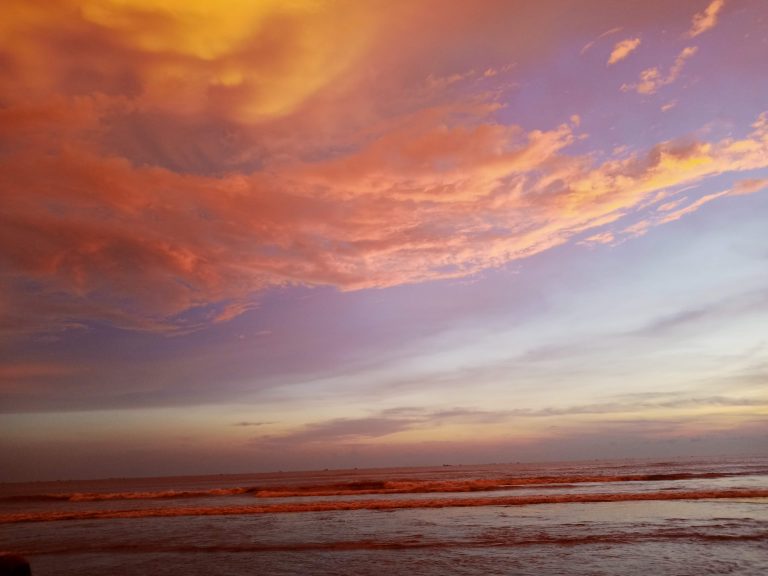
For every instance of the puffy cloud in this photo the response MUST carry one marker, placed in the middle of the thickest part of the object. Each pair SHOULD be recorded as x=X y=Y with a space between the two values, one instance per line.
x=706 y=20
x=623 y=49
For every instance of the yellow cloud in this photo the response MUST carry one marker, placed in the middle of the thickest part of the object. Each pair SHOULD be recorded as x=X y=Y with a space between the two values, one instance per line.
x=243 y=60
x=199 y=28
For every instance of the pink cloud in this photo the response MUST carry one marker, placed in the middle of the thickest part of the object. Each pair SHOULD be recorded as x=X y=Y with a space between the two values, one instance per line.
x=749 y=186
x=600 y=238
x=672 y=215
x=442 y=194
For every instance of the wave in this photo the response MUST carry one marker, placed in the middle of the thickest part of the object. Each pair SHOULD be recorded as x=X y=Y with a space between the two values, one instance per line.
x=413 y=542
x=104 y=496
x=375 y=486
x=382 y=505
x=474 y=485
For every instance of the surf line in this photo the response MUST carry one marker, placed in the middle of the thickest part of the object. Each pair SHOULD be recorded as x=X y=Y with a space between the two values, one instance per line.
x=372 y=504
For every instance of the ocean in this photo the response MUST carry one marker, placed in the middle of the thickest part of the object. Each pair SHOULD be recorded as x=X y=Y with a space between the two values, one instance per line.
x=681 y=517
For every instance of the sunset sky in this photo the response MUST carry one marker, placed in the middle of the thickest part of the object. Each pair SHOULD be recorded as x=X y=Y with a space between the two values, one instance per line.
x=290 y=234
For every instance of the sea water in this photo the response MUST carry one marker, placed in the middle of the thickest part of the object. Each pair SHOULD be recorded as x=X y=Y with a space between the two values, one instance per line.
x=684 y=517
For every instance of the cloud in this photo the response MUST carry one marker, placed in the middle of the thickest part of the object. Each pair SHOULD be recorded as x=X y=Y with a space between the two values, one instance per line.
x=248 y=424
x=673 y=215
x=675 y=210
x=161 y=178
x=342 y=429
x=677 y=320
x=590 y=44
x=668 y=106
x=651 y=79
x=706 y=20
x=669 y=410
x=745 y=303
x=244 y=61
x=600 y=238
x=623 y=49
x=749 y=186
x=444 y=193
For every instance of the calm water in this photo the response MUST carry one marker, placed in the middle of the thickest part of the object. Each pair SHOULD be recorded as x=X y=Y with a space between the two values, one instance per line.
x=687 y=517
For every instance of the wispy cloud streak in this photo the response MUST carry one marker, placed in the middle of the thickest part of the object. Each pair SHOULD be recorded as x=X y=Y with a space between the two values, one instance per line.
x=651 y=79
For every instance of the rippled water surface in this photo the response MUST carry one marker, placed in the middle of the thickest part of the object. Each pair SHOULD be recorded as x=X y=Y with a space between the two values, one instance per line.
x=687 y=517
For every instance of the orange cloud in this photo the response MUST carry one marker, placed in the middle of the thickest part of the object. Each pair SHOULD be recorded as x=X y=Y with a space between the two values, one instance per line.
x=623 y=49
x=651 y=79
x=442 y=194
x=707 y=19
x=433 y=198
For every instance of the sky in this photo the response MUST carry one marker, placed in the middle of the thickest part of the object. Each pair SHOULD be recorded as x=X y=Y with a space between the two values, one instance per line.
x=245 y=236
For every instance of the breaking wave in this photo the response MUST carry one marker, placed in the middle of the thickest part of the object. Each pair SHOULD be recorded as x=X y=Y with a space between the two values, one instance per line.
x=383 y=505
x=104 y=496
x=374 y=487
